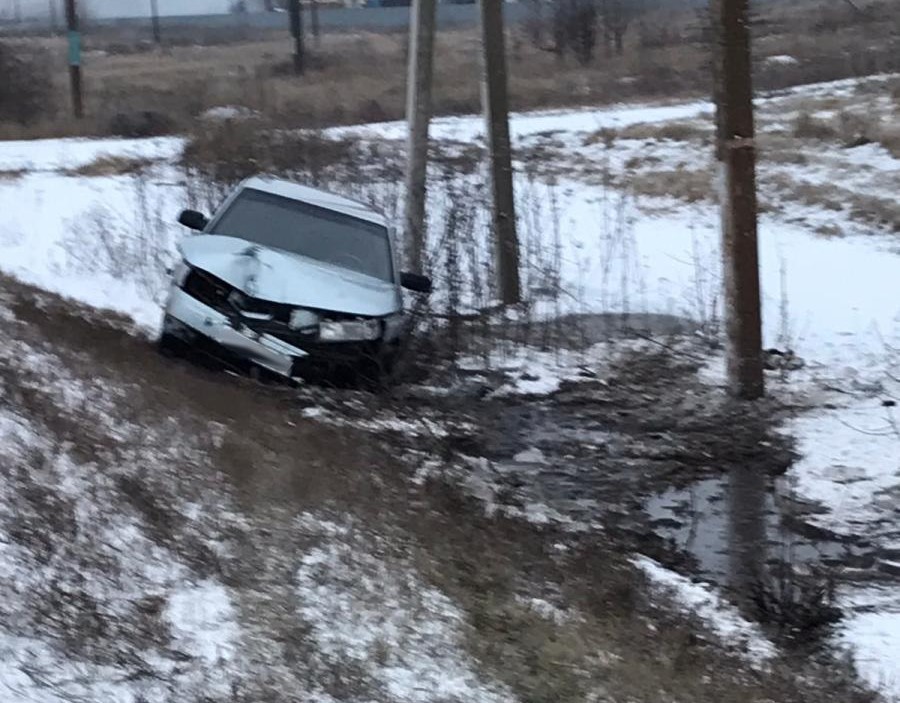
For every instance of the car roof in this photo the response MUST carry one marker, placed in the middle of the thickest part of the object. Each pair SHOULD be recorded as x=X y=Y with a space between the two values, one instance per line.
x=315 y=196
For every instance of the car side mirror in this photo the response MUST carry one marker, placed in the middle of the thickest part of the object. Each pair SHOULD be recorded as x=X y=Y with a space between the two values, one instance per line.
x=193 y=220
x=415 y=282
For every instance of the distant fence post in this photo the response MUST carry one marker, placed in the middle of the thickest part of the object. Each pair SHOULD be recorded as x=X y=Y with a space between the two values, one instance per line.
x=295 y=11
x=154 y=14
x=74 y=59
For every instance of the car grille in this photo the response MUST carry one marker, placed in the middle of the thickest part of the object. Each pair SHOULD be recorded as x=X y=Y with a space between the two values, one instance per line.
x=223 y=297
x=209 y=290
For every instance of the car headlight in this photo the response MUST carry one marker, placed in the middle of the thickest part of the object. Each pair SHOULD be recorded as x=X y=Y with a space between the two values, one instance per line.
x=302 y=319
x=350 y=331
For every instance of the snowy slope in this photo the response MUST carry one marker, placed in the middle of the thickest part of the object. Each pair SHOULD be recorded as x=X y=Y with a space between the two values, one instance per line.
x=831 y=299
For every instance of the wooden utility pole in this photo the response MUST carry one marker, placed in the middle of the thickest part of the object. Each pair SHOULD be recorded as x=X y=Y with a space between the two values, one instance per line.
x=737 y=159
x=154 y=14
x=496 y=108
x=74 y=59
x=418 y=117
x=54 y=21
x=295 y=13
x=314 y=21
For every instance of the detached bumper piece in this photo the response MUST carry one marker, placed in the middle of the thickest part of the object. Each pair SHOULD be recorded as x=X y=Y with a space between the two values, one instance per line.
x=199 y=325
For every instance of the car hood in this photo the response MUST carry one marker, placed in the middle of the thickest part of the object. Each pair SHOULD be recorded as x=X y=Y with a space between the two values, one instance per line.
x=282 y=277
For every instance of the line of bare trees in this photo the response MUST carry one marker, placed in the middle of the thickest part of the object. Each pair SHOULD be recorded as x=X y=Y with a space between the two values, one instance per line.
x=577 y=27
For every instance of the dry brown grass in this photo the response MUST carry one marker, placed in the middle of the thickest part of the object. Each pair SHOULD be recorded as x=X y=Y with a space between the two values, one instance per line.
x=361 y=77
x=669 y=131
x=692 y=186
x=850 y=128
x=883 y=212
x=12 y=174
x=106 y=165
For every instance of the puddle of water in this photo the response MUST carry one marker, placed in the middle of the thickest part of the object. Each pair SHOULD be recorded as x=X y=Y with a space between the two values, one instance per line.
x=735 y=524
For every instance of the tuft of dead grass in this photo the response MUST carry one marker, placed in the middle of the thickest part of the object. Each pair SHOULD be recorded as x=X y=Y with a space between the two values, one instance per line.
x=11 y=175
x=689 y=185
x=861 y=207
x=684 y=131
x=808 y=127
x=108 y=165
x=850 y=128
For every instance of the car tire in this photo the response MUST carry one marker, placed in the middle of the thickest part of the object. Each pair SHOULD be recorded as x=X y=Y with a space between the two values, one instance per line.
x=170 y=346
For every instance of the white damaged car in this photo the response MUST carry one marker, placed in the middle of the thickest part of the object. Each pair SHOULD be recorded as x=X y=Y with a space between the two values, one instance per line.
x=290 y=279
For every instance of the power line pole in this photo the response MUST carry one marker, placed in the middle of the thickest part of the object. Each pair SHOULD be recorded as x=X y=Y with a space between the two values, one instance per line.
x=496 y=108
x=314 y=21
x=54 y=20
x=154 y=14
x=418 y=116
x=737 y=159
x=74 y=59
x=295 y=12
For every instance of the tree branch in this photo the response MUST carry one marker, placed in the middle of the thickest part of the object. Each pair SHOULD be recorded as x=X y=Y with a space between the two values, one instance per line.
x=857 y=8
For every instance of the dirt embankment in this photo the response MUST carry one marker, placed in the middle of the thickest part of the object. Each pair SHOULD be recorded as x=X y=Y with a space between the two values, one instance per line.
x=299 y=519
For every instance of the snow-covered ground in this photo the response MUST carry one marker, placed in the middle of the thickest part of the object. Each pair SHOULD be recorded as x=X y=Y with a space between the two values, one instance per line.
x=146 y=621
x=829 y=298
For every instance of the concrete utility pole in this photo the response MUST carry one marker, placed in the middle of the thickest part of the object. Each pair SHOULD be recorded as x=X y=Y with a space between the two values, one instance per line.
x=418 y=117
x=496 y=108
x=74 y=59
x=737 y=157
x=154 y=14
x=295 y=13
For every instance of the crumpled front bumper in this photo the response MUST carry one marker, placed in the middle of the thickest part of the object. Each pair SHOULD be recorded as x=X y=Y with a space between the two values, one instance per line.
x=187 y=317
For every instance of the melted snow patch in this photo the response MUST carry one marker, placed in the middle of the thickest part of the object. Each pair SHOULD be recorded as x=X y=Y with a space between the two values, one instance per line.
x=721 y=617
x=781 y=60
x=405 y=634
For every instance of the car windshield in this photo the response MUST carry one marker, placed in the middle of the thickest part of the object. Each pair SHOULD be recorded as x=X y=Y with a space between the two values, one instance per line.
x=315 y=232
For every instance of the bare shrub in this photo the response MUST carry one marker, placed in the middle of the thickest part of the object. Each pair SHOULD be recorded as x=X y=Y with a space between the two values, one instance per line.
x=689 y=185
x=11 y=174
x=801 y=609
x=26 y=88
x=889 y=138
x=617 y=16
x=138 y=246
x=575 y=28
x=808 y=127
x=224 y=154
x=142 y=123
x=674 y=131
